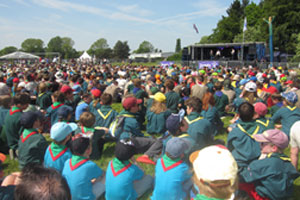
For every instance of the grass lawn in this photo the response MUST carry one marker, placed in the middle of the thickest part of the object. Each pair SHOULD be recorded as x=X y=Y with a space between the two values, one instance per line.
x=108 y=153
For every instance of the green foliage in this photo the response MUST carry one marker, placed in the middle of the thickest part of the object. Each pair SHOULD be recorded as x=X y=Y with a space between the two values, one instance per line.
x=63 y=46
x=8 y=50
x=32 y=45
x=121 y=50
x=145 y=47
x=296 y=58
x=100 y=49
x=55 y=45
x=178 y=45
x=252 y=34
x=174 y=57
x=205 y=40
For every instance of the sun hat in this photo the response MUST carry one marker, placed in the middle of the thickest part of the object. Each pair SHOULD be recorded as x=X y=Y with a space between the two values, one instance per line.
x=176 y=147
x=274 y=136
x=290 y=96
x=60 y=130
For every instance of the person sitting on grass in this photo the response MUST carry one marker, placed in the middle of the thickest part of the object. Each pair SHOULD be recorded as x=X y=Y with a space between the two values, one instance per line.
x=215 y=173
x=221 y=99
x=172 y=174
x=82 y=106
x=84 y=177
x=64 y=113
x=288 y=114
x=32 y=144
x=57 y=153
x=105 y=114
x=261 y=110
x=125 y=179
x=58 y=100
x=95 y=103
x=240 y=140
x=277 y=103
x=157 y=115
x=273 y=176
x=172 y=98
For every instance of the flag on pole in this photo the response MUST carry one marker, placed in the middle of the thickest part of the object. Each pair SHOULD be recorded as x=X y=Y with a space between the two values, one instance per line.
x=196 y=29
x=245 y=24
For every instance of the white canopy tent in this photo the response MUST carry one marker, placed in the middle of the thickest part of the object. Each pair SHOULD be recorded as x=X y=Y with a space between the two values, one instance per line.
x=85 y=57
x=19 y=55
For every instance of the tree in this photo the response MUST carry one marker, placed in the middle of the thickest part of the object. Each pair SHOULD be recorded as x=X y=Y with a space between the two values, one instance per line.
x=145 y=47
x=33 y=45
x=205 y=40
x=55 y=45
x=121 y=50
x=100 y=49
x=252 y=34
x=67 y=48
x=8 y=50
x=296 y=58
x=178 y=45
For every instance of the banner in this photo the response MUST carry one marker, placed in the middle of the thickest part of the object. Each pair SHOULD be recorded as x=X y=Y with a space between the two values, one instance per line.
x=209 y=64
x=165 y=64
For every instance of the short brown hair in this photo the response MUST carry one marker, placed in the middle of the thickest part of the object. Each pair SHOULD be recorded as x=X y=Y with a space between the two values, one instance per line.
x=195 y=103
x=106 y=99
x=169 y=84
x=87 y=119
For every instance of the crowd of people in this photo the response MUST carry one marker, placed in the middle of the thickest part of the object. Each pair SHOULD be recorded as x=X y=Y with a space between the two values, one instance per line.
x=170 y=117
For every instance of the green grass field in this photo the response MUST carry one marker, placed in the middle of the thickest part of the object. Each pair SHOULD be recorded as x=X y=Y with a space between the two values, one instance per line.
x=108 y=153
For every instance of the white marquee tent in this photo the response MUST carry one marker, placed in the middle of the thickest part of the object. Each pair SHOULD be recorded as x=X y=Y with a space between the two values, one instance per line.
x=19 y=55
x=85 y=57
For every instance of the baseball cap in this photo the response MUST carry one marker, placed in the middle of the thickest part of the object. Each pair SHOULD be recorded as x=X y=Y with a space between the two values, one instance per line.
x=290 y=96
x=27 y=119
x=236 y=77
x=274 y=136
x=129 y=102
x=76 y=89
x=243 y=81
x=159 y=97
x=124 y=149
x=250 y=87
x=96 y=93
x=261 y=109
x=214 y=163
x=176 y=147
x=64 y=111
x=16 y=80
x=66 y=89
x=173 y=121
x=60 y=130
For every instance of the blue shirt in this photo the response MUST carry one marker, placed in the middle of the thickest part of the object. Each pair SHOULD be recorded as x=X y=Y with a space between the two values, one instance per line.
x=56 y=156
x=81 y=107
x=79 y=175
x=119 y=180
x=169 y=178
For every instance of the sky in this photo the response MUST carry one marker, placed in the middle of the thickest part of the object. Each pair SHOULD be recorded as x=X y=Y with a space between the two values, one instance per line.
x=160 y=22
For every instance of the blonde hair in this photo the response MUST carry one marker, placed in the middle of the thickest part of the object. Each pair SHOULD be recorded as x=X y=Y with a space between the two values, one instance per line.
x=158 y=107
x=250 y=97
x=221 y=189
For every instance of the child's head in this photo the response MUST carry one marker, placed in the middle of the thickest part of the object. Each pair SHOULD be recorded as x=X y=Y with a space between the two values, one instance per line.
x=57 y=96
x=131 y=104
x=22 y=100
x=193 y=104
x=218 y=86
x=246 y=112
x=215 y=171
x=87 y=119
x=176 y=147
x=5 y=101
x=260 y=109
x=67 y=91
x=276 y=98
x=31 y=119
x=43 y=87
x=208 y=100
x=158 y=105
x=86 y=98
x=176 y=124
x=272 y=141
x=290 y=98
x=106 y=99
x=125 y=149
x=96 y=93
x=64 y=113
x=61 y=132
x=81 y=145
x=169 y=84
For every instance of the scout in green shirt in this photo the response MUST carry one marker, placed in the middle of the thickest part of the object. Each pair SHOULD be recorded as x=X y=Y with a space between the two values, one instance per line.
x=32 y=144
x=43 y=99
x=260 y=111
x=221 y=99
x=13 y=128
x=173 y=98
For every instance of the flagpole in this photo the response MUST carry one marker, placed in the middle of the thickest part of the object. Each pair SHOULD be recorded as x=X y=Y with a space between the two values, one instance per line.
x=243 y=49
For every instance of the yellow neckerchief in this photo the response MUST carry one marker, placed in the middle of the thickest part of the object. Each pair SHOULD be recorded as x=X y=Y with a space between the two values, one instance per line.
x=192 y=121
x=104 y=116
x=243 y=130
x=247 y=99
x=281 y=157
x=81 y=102
x=263 y=123
x=41 y=94
x=184 y=135
x=291 y=109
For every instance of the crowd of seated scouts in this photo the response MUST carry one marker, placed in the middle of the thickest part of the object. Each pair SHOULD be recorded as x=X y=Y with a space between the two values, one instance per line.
x=169 y=119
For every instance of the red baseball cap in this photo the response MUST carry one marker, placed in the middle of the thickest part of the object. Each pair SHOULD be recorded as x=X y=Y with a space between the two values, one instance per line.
x=129 y=102
x=96 y=93
x=16 y=80
x=289 y=82
x=66 y=89
x=261 y=109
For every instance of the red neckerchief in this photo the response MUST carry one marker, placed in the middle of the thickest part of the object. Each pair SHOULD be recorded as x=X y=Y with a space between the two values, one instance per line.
x=55 y=107
x=30 y=134
x=13 y=112
x=77 y=164
x=171 y=166
x=82 y=129
x=120 y=171
x=54 y=158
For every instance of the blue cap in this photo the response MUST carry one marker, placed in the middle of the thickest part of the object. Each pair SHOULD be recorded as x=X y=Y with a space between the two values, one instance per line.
x=27 y=119
x=60 y=130
x=176 y=147
x=76 y=89
x=244 y=81
x=64 y=111
x=253 y=78
x=290 y=96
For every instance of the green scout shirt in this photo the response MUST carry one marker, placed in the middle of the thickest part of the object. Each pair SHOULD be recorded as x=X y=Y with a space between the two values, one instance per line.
x=131 y=126
x=221 y=101
x=32 y=147
x=172 y=101
x=104 y=116
x=44 y=100
x=13 y=127
x=273 y=176
x=200 y=129
x=156 y=123
x=203 y=197
x=264 y=124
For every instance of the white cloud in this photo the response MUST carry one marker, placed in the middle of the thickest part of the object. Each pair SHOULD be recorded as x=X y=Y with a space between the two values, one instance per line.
x=3 y=5
x=210 y=8
x=136 y=9
x=23 y=2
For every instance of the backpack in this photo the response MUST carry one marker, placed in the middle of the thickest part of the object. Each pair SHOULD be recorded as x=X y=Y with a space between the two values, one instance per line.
x=116 y=127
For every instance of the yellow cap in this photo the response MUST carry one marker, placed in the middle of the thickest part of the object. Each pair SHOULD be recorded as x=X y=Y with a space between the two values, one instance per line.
x=159 y=97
